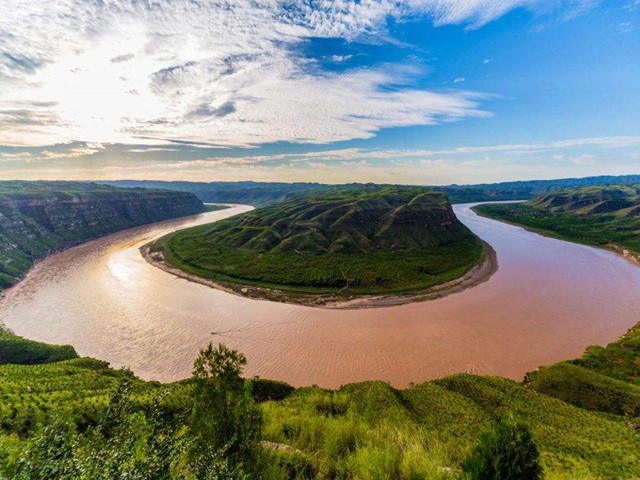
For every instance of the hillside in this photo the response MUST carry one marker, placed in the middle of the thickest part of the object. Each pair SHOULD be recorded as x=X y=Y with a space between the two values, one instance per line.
x=360 y=431
x=358 y=240
x=38 y=218
x=603 y=216
x=260 y=194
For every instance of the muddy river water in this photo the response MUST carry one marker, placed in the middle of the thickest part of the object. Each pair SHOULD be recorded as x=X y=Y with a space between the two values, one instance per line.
x=548 y=301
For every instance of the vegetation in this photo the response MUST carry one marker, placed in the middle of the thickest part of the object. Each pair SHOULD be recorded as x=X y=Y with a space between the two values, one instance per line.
x=38 y=218
x=527 y=189
x=602 y=216
x=604 y=379
x=509 y=453
x=210 y=207
x=20 y=351
x=365 y=239
x=79 y=418
x=260 y=194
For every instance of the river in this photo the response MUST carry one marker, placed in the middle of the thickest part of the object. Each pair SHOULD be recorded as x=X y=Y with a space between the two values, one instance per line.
x=548 y=301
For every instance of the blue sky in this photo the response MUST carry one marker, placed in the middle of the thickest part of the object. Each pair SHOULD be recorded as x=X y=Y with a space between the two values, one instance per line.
x=428 y=92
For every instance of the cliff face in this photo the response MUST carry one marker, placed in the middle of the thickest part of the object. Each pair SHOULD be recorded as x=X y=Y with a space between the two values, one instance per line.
x=38 y=218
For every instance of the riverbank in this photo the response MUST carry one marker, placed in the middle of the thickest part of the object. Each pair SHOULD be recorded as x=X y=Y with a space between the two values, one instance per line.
x=618 y=249
x=479 y=273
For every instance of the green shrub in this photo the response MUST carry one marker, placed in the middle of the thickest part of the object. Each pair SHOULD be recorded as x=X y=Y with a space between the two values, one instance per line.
x=508 y=453
x=264 y=390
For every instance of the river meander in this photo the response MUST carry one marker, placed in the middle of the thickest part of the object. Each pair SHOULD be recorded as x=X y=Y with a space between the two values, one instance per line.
x=548 y=301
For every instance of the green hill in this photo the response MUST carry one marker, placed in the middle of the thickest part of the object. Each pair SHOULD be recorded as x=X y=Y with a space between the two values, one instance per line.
x=366 y=430
x=357 y=240
x=603 y=216
x=39 y=218
x=18 y=350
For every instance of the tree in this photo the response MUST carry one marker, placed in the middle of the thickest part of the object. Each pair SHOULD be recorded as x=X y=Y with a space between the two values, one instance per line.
x=225 y=417
x=508 y=453
x=52 y=454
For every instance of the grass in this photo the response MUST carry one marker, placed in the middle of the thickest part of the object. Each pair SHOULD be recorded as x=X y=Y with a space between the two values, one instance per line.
x=601 y=216
x=18 y=350
x=370 y=430
x=359 y=240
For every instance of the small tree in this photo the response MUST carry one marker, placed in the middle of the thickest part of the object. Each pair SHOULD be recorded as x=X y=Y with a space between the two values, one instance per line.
x=224 y=416
x=51 y=455
x=508 y=453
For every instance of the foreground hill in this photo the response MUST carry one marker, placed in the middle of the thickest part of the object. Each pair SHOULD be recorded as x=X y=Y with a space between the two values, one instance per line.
x=38 y=218
x=260 y=194
x=604 y=216
x=585 y=426
x=358 y=240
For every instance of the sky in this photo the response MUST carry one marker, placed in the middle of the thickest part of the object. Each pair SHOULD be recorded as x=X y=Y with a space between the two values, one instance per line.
x=389 y=91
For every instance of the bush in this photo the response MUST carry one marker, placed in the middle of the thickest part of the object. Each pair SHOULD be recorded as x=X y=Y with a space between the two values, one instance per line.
x=264 y=390
x=508 y=453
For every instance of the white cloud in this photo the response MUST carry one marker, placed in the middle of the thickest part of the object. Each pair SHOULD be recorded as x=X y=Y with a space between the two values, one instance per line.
x=459 y=80
x=222 y=72
x=341 y=58
x=395 y=155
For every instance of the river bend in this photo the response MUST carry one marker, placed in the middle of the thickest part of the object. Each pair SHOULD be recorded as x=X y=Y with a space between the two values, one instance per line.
x=548 y=301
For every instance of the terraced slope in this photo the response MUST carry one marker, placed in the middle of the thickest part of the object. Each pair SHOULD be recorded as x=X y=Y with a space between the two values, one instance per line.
x=603 y=216
x=363 y=239
x=38 y=218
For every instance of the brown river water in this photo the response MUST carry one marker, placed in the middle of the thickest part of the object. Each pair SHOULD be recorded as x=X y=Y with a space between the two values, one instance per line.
x=547 y=302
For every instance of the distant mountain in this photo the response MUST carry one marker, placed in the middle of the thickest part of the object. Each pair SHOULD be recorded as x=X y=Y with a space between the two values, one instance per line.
x=524 y=190
x=264 y=193
x=38 y=218
x=360 y=239
x=257 y=194
x=622 y=201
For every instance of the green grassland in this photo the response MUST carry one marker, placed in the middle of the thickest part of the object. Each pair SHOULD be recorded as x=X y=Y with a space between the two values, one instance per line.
x=601 y=216
x=370 y=430
x=358 y=240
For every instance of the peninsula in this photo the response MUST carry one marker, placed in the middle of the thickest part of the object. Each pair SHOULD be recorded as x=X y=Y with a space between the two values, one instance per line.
x=339 y=247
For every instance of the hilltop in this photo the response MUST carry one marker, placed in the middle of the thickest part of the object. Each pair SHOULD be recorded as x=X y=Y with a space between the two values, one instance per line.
x=348 y=241
x=607 y=216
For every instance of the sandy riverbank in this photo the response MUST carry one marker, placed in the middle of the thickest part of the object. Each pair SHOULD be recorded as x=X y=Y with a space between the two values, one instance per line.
x=478 y=274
